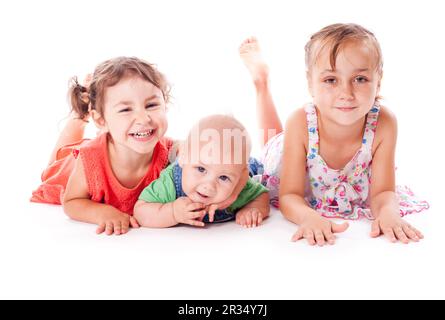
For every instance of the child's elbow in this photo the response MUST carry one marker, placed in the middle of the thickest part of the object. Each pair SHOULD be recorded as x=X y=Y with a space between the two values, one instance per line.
x=266 y=211
x=138 y=212
x=141 y=213
x=266 y=204
x=68 y=209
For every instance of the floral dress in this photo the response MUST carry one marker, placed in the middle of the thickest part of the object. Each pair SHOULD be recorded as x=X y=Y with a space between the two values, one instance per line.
x=335 y=193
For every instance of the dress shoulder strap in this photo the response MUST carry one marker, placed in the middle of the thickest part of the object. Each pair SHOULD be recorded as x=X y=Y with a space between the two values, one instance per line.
x=370 y=127
x=312 y=127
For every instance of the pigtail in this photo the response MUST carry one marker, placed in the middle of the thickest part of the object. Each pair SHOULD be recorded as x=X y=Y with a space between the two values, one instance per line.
x=79 y=99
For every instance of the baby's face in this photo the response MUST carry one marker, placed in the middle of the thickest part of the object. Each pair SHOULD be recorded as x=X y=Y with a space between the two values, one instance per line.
x=210 y=183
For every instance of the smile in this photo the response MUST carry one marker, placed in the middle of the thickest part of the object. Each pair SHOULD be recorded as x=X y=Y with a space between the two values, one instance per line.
x=202 y=195
x=346 y=109
x=144 y=135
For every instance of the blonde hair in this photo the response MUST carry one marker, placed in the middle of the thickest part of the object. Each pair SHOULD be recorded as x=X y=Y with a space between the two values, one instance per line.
x=107 y=74
x=334 y=37
x=224 y=130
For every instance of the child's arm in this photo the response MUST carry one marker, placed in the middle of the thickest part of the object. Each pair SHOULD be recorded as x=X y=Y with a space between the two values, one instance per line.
x=164 y=215
x=253 y=213
x=78 y=206
x=313 y=227
x=383 y=199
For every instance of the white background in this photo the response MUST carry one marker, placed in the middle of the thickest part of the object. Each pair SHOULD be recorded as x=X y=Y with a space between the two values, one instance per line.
x=195 y=43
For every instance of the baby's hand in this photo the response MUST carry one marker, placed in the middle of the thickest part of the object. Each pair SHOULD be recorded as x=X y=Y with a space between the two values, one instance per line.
x=249 y=217
x=116 y=222
x=188 y=212
x=318 y=230
x=394 y=227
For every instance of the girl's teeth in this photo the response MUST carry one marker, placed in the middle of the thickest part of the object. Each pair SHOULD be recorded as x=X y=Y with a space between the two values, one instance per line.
x=143 y=134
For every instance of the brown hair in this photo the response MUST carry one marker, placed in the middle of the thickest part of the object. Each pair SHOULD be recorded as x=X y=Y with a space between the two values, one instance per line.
x=107 y=74
x=334 y=37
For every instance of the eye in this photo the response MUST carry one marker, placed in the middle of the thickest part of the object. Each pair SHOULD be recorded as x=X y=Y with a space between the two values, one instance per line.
x=224 y=178
x=151 y=105
x=330 y=80
x=201 y=169
x=361 y=79
x=124 y=110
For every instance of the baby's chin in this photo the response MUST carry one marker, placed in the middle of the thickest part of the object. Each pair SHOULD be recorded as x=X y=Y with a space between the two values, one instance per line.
x=207 y=201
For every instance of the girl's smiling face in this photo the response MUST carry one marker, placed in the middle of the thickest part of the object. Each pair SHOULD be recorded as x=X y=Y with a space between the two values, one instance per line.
x=134 y=114
x=345 y=94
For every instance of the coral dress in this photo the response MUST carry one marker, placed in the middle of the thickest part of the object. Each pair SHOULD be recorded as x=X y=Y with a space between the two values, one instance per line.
x=103 y=186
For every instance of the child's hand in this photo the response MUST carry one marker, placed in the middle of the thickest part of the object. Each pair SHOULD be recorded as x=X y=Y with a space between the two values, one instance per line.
x=116 y=222
x=318 y=230
x=249 y=217
x=394 y=227
x=188 y=212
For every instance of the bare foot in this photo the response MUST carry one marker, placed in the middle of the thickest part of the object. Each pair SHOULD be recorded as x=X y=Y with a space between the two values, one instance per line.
x=250 y=53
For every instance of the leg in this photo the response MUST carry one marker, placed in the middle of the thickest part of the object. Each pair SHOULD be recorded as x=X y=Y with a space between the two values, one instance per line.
x=74 y=129
x=72 y=133
x=267 y=115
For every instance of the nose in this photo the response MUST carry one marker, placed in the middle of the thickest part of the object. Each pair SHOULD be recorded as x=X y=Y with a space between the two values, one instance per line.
x=209 y=187
x=142 y=116
x=346 y=91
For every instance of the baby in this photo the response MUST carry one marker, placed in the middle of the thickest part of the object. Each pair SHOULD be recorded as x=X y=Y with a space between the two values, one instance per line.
x=210 y=173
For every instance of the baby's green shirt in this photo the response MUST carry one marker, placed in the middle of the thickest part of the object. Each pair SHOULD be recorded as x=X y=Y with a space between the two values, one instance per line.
x=162 y=190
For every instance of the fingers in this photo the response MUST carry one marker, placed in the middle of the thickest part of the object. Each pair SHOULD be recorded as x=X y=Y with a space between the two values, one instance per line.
x=375 y=229
x=194 y=218
x=260 y=218
x=109 y=228
x=309 y=236
x=240 y=219
x=195 y=223
x=195 y=206
x=330 y=237
x=418 y=233
x=134 y=223
x=389 y=234
x=125 y=226
x=410 y=233
x=337 y=228
x=255 y=215
x=297 y=235
x=401 y=235
x=193 y=215
x=100 y=228
x=248 y=218
x=319 y=237
x=324 y=237
x=117 y=228
x=212 y=210
x=401 y=231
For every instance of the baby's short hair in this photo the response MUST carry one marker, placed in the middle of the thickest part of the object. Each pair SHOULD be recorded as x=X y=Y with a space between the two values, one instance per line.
x=218 y=139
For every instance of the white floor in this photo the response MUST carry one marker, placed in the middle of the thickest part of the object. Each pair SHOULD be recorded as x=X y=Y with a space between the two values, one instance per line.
x=45 y=255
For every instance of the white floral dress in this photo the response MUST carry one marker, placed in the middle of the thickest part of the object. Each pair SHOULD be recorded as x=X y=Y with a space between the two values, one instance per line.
x=335 y=193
